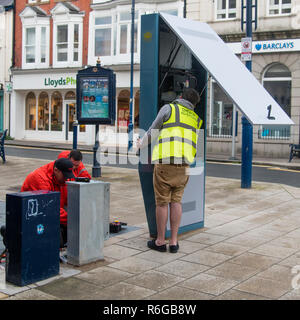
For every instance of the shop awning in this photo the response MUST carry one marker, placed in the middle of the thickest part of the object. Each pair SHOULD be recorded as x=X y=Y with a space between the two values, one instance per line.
x=229 y=72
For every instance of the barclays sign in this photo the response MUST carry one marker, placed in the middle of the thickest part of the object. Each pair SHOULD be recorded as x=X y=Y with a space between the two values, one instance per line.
x=270 y=46
x=274 y=46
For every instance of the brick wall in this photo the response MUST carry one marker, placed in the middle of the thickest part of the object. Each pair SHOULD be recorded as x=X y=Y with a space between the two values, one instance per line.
x=83 y=5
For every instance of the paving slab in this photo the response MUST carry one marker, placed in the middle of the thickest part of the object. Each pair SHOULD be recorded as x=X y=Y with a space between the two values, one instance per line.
x=182 y=269
x=278 y=273
x=209 y=284
x=154 y=280
x=206 y=238
x=137 y=243
x=273 y=251
x=292 y=295
x=293 y=260
x=232 y=271
x=125 y=291
x=119 y=252
x=104 y=276
x=134 y=265
x=239 y=295
x=255 y=260
x=73 y=289
x=32 y=295
x=180 y=293
x=264 y=287
x=207 y=258
x=160 y=257
x=228 y=249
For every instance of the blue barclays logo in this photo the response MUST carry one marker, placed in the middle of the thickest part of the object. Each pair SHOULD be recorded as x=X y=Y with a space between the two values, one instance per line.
x=258 y=47
x=275 y=46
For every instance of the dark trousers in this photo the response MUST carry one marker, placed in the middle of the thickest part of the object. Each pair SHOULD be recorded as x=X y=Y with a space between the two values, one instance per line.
x=63 y=236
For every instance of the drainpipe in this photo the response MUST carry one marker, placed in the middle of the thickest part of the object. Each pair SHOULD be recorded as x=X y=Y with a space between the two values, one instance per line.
x=13 y=62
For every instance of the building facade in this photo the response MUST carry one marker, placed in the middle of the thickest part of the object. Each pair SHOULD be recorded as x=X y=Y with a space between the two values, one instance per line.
x=51 y=45
x=275 y=64
x=6 y=52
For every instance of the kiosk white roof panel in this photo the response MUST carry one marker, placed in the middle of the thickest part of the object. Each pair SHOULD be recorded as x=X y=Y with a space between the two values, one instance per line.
x=230 y=73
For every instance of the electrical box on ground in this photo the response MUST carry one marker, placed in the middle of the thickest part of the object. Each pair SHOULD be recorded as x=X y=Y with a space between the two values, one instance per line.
x=32 y=236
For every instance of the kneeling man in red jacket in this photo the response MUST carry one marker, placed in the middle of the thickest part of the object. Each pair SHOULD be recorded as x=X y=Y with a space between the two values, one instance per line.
x=52 y=177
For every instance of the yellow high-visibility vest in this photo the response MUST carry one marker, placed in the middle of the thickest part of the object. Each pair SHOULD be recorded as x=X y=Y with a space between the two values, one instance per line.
x=177 y=141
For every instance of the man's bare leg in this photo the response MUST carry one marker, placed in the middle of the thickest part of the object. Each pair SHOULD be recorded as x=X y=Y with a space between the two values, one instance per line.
x=175 y=218
x=161 y=222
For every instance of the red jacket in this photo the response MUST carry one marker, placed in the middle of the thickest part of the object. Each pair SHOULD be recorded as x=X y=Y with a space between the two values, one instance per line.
x=43 y=178
x=80 y=171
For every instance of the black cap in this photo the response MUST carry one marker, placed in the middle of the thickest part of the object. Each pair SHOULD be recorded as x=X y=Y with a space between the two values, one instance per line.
x=65 y=166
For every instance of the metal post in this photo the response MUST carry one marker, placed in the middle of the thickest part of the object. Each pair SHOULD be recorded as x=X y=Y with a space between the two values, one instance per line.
x=184 y=9
x=131 y=118
x=247 y=129
x=233 y=132
x=75 y=128
x=96 y=170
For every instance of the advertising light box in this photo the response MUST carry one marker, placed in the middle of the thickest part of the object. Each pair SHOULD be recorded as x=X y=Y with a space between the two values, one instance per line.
x=96 y=96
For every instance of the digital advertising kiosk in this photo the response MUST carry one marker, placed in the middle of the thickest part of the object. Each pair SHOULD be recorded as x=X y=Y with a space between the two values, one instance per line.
x=177 y=53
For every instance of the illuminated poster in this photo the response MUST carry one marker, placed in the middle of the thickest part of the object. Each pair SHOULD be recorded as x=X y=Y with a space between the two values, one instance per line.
x=94 y=98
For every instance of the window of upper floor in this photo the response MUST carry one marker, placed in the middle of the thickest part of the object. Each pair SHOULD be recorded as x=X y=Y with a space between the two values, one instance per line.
x=35 y=38
x=67 y=36
x=110 y=32
x=225 y=9
x=279 y=7
x=37 y=1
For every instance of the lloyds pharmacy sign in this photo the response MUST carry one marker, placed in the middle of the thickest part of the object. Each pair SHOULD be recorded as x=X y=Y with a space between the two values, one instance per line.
x=287 y=45
x=54 y=83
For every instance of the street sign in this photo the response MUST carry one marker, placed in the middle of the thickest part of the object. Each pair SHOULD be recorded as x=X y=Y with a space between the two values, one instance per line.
x=246 y=52
x=8 y=86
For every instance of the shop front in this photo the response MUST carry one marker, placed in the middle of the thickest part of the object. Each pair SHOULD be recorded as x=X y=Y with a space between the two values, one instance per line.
x=44 y=107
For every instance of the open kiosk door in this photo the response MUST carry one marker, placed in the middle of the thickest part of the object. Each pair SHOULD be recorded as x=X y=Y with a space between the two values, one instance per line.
x=178 y=53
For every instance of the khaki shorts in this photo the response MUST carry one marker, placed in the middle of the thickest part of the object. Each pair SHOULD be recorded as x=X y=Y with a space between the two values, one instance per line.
x=169 y=182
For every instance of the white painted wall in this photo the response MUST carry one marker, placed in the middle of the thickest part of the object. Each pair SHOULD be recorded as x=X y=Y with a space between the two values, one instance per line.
x=6 y=36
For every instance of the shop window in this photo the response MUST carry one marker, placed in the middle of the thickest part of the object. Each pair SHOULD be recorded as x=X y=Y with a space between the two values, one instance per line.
x=30 y=112
x=43 y=111
x=137 y=109
x=56 y=111
x=225 y=9
x=70 y=95
x=277 y=7
x=221 y=113
x=123 y=110
x=278 y=81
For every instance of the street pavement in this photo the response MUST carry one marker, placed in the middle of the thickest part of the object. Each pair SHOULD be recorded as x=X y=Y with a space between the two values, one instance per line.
x=248 y=249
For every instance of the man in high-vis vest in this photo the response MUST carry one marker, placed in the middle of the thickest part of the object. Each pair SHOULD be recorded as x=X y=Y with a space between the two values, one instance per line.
x=174 y=150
